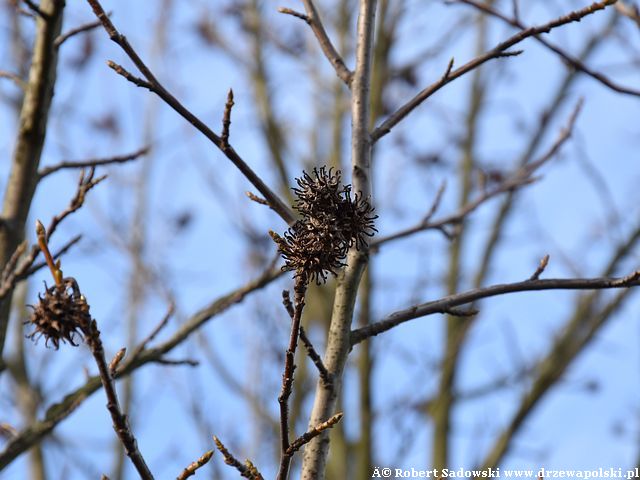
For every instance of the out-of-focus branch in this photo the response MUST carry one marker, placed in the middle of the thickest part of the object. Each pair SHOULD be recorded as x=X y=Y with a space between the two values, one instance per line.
x=630 y=11
x=29 y=141
x=498 y=51
x=11 y=275
x=312 y=18
x=33 y=434
x=444 y=304
x=156 y=87
x=522 y=177
x=22 y=85
x=35 y=8
x=545 y=119
x=94 y=162
x=87 y=27
x=568 y=58
x=587 y=319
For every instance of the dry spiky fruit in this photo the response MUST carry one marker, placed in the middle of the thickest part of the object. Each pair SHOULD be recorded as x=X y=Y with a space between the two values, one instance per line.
x=332 y=222
x=61 y=315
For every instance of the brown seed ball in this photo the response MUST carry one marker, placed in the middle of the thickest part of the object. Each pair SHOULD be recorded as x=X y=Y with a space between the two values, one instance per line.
x=61 y=315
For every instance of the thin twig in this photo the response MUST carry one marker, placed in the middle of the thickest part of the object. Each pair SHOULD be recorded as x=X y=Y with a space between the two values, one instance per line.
x=85 y=184
x=248 y=470
x=497 y=52
x=149 y=338
x=252 y=196
x=312 y=18
x=568 y=58
x=450 y=301
x=156 y=87
x=75 y=31
x=120 y=422
x=10 y=267
x=306 y=437
x=57 y=412
x=193 y=467
x=36 y=9
x=436 y=203
x=311 y=351
x=299 y=292
x=295 y=13
x=185 y=361
x=541 y=267
x=286 y=301
x=22 y=85
x=115 y=361
x=29 y=268
x=325 y=376
x=226 y=120
x=630 y=11
x=521 y=177
x=94 y=162
x=120 y=70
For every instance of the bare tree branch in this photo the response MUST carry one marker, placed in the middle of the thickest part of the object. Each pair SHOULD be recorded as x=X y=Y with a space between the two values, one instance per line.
x=312 y=18
x=11 y=277
x=522 y=177
x=247 y=470
x=192 y=468
x=29 y=141
x=95 y=162
x=568 y=58
x=22 y=85
x=57 y=412
x=299 y=292
x=497 y=52
x=120 y=421
x=444 y=304
x=87 y=27
x=156 y=87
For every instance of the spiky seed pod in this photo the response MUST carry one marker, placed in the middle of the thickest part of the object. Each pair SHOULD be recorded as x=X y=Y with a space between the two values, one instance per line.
x=311 y=251
x=320 y=195
x=357 y=219
x=332 y=222
x=61 y=315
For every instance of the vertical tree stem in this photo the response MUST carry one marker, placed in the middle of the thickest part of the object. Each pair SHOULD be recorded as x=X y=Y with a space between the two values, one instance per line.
x=29 y=142
x=338 y=345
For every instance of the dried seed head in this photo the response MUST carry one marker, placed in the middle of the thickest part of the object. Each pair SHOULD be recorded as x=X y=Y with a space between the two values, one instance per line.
x=332 y=222
x=320 y=195
x=61 y=315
